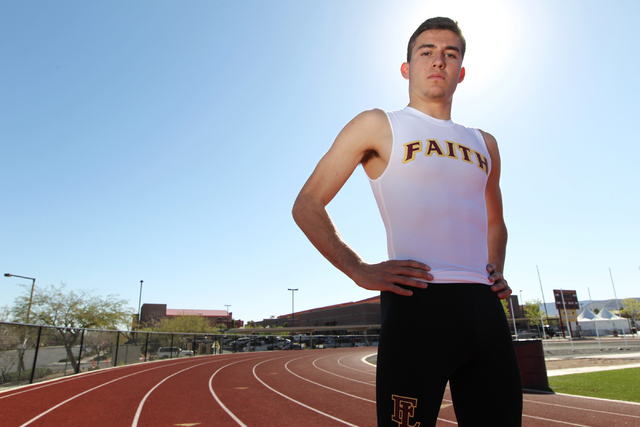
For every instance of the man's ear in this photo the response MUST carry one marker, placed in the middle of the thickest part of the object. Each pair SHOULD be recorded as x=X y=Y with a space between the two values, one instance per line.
x=404 y=69
x=461 y=75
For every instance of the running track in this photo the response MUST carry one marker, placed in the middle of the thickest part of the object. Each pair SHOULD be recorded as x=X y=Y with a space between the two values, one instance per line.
x=329 y=387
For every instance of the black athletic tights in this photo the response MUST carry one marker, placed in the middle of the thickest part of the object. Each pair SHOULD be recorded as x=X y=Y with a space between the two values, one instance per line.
x=447 y=332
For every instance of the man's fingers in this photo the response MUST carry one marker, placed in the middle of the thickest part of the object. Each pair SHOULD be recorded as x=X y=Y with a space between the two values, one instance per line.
x=400 y=291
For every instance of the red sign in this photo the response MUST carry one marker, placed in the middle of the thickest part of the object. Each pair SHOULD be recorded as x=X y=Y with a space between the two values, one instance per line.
x=570 y=300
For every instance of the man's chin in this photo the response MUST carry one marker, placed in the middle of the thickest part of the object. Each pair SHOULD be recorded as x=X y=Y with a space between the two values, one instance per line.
x=435 y=93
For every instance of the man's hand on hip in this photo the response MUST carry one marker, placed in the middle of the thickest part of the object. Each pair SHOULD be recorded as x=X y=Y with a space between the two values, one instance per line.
x=386 y=276
x=500 y=286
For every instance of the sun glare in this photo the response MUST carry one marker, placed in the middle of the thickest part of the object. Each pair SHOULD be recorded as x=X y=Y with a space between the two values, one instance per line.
x=491 y=31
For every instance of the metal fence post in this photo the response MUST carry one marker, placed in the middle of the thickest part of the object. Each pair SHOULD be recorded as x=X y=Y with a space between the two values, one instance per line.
x=35 y=356
x=146 y=345
x=115 y=356
x=80 y=352
x=171 y=347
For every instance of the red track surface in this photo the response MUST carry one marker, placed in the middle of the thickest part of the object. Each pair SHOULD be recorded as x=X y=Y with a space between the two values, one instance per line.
x=310 y=388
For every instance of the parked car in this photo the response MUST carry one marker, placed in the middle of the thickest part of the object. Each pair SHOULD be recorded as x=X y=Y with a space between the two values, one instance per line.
x=167 y=352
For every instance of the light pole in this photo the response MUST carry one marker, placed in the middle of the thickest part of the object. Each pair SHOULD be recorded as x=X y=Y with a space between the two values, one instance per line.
x=293 y=323
x=33 y=285
x=521 y=302
x=139 y=302
x=227 y=305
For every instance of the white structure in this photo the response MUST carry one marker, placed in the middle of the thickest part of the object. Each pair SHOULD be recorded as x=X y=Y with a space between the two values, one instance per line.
x=606 y=322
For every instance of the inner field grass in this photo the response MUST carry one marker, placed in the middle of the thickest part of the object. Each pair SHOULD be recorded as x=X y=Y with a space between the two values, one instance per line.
x=621 y=384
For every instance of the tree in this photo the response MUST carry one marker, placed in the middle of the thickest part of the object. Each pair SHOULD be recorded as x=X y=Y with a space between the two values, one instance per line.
x=631 y=308
x=187 y=324
x=532 y=311
x=505 y=307
x=71 y=311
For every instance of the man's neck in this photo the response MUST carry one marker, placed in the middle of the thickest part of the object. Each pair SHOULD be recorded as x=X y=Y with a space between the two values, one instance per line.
x=437 y=110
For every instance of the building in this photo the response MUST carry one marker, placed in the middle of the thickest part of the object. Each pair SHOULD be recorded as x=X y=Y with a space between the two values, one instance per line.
x=364 y=312
x=154 y=313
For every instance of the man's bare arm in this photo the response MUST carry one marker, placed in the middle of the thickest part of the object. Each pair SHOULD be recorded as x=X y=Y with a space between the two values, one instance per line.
x=365 y=133
x=497 y=229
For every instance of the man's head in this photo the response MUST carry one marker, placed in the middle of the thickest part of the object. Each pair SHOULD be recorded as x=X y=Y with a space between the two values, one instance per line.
x=438 y=23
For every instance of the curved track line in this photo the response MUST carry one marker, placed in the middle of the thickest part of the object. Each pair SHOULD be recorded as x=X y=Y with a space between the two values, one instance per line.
x=583 y=409
x=85 y=392
x=215 y=396
x=339 y=376
x=286 y=366
x=554 y=421
x=79 y=376
x=295 y=401
x=354 y=369
x=144 y=399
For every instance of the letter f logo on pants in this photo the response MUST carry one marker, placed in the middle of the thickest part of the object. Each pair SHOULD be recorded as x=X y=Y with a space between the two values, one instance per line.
x=403 y=409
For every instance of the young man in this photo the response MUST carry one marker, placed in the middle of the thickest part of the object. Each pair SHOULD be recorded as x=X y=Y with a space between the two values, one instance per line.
x=437 y=186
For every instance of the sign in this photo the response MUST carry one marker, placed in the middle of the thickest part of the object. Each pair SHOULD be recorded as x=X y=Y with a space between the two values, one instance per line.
x=570 y=300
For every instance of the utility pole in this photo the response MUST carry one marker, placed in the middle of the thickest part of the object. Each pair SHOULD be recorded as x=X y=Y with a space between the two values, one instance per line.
x=292 y=310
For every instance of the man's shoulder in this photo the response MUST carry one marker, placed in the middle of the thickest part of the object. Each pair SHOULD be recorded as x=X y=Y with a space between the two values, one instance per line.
x=373 y=116
x=368 y=124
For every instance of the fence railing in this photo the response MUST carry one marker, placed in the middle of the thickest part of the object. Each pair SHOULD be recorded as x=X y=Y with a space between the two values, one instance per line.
x=32 y=353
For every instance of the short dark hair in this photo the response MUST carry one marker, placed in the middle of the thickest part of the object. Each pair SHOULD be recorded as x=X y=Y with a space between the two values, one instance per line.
x=438 y=23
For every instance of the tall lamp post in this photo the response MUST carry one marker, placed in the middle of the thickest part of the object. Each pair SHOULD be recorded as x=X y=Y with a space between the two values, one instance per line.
x=139 y=302
x=293 y=323
x=33 y=285
x=227 y=305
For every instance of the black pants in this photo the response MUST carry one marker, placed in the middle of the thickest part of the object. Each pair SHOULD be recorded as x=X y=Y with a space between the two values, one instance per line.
x=447 y=332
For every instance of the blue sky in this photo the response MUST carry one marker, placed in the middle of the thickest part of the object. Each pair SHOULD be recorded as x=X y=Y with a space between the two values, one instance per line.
x=166 y=142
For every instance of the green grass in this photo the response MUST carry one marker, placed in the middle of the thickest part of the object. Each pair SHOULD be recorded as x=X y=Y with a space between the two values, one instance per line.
x=619 y=384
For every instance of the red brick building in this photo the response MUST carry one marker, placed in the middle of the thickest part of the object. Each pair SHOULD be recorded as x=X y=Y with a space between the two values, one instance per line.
x=364 y=312
x=154 y=313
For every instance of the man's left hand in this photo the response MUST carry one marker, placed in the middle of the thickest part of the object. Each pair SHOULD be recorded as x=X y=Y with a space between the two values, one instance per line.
x=500 y=286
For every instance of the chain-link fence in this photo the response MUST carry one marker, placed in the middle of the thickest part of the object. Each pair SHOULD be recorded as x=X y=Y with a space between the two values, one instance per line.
x=30 y=353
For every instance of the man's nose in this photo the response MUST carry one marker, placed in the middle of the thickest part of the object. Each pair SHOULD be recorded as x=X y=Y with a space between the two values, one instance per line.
x=438 y=60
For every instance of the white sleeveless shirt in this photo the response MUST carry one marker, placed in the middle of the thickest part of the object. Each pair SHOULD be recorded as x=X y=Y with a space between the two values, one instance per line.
x=432 y=196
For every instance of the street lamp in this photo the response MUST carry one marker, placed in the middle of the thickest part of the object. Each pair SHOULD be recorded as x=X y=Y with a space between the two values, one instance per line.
x=227 y=305
x=33 y=285
x=293 y=323
x=139 y=301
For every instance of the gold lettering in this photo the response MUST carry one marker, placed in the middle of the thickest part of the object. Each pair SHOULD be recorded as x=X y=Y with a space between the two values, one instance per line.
x=410 y=150
x=433 y=146
x=403 y=409
x=465 y=153
x=483 y=164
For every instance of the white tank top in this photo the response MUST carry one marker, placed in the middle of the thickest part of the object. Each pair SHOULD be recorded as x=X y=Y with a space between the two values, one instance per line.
x=431 y=196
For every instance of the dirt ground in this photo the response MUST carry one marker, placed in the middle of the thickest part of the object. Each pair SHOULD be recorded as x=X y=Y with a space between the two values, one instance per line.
x=579 y=363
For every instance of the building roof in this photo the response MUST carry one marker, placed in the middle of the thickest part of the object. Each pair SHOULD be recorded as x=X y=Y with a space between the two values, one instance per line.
x=372 y=300
x=204 y=313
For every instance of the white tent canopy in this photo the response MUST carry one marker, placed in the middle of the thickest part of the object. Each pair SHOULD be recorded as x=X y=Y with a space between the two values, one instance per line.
x=606 y=322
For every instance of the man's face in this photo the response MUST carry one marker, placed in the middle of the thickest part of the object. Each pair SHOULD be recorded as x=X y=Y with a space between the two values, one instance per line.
x=436 y=65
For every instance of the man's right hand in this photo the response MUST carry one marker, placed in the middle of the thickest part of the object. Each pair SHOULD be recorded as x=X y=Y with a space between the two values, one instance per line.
x=386 y=276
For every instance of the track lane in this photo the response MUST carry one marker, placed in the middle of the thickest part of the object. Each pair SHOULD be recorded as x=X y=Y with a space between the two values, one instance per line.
x=257 y=389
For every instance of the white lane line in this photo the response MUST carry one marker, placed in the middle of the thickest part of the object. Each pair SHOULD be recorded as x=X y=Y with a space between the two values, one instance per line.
x=144 y=399
x=79 y=376
x=339 y=376
x=286 y=366
x=295 y=401
x=554 y=421
x=364 y=360
x=585 y=409
x=354 y=369
x=215 y=396
x=85 y=392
